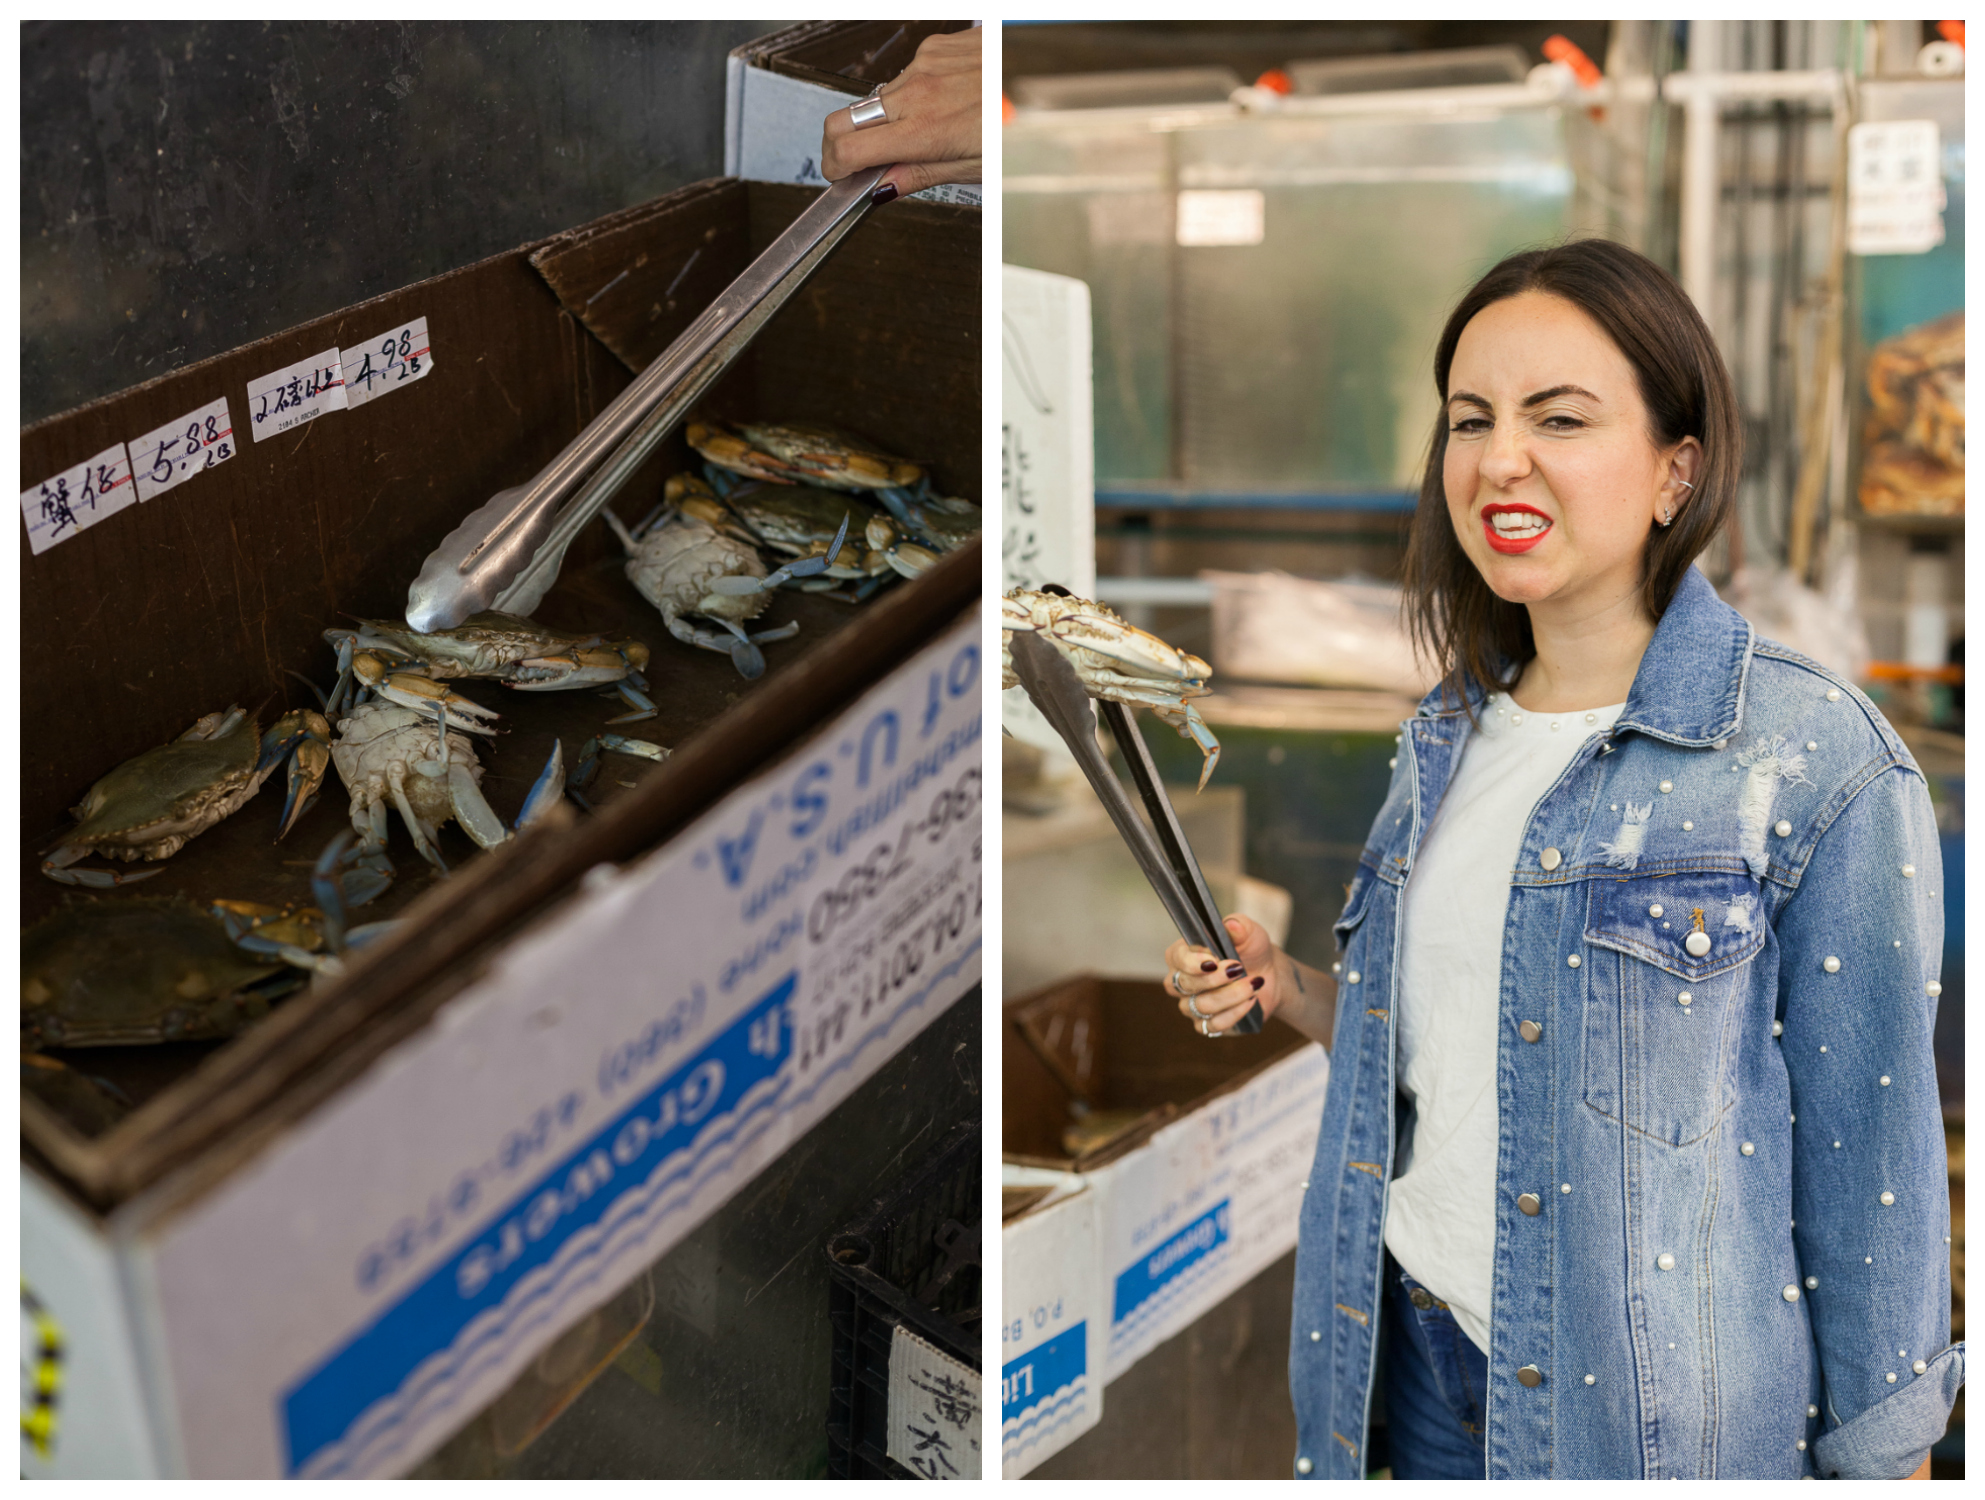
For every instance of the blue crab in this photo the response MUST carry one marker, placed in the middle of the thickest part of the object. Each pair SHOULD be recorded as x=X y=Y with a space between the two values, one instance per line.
x=149 y=807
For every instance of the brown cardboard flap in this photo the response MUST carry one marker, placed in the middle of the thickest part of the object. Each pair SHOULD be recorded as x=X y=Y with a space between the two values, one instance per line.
x=851 y=56
x=1114 y=1044
x=883 y=341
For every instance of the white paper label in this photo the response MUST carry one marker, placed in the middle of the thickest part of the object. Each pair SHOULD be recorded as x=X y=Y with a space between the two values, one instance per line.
x=174 y=453
x=290 y=397
x=78 y=498
x=1895 y=188
x=1048 y=458
x=1221 y=216
x=386 y=363
x=348 y=1299
x=933 y=1410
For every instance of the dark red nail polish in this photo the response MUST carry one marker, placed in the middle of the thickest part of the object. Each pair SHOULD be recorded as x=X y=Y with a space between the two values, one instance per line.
x=1258 y=981
x=884 y=193
x=1235 y=971
x=1208 y=966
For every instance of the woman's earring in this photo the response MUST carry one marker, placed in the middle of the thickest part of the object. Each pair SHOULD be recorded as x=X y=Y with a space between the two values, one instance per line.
x=1668 y=516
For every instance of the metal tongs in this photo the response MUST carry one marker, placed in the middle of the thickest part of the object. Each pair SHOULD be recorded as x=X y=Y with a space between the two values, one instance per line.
x=507 y=553
x=1159 y=847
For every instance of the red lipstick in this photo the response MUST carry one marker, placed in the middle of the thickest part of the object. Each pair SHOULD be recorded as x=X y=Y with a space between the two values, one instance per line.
x=1511 y=544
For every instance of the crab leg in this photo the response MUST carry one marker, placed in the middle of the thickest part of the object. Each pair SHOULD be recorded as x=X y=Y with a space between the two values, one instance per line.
x=305 y=738
x=478 y=821
x=806 y=567
x=396 y=783
x=640 y=702
x=410 y=690
x=56 y=868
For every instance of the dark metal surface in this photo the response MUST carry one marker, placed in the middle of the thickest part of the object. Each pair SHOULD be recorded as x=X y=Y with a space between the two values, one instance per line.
x=187 y=186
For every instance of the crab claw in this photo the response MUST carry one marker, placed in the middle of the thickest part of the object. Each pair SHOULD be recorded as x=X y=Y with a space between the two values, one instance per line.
x=305 y=737
x=471 y=810
x=550 y=786
x=411 y=690
x=1192 y=727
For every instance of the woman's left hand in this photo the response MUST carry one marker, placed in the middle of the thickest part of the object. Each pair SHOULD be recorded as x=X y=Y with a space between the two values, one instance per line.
x=930 y=128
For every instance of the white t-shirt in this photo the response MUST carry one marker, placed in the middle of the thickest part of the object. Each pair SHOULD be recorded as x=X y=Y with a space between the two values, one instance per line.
x=1440 y=1222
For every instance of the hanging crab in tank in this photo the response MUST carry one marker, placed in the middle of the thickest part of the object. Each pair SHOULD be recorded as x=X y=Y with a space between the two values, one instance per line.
x=151 y=805
x=509 y=649
x=1115 y=660
x=685 y=566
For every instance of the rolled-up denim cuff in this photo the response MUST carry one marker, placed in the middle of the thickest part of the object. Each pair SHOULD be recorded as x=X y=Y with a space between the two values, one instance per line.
x=1888 y=1441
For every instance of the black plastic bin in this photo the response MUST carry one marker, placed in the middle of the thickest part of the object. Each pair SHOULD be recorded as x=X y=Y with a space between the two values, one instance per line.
x=883 y=1270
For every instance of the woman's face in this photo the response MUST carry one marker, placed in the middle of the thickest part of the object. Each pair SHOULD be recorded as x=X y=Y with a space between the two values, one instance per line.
x=1552 y=477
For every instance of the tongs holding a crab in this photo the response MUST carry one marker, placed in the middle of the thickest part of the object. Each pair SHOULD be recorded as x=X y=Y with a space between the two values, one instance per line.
x=1114 y=660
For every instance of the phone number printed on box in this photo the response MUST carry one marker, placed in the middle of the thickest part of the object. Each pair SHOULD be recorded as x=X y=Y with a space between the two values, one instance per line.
x=170 y=455
x=58 y=508
x=379 y=365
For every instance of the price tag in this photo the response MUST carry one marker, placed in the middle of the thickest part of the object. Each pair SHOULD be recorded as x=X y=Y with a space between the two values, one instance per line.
x=58 y=508
x=174 y=453
x=933 y=1410
x=387 y=362
x=290 y=397
x=1895 y=188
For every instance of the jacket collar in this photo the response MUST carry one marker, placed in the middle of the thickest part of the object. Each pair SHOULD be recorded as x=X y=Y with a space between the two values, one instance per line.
x=1690 y=686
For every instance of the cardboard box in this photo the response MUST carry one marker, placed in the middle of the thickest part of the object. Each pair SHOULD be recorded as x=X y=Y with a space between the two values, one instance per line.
x=780 y=88
x=1199 y=1187
x=1053 y=1332
x=335 y=1237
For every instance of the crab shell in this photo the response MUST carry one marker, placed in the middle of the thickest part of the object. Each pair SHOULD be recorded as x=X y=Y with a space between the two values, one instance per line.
x=518 y=652
x=800 y=521
x=135 y=970
x=386 y=752
x=675 y=565
x=151 y=805
x=830 y=457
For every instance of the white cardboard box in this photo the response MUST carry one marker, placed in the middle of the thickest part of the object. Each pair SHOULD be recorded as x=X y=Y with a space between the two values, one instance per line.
x=1051 y=1336
x=1208 y=1203
x=378 y=1273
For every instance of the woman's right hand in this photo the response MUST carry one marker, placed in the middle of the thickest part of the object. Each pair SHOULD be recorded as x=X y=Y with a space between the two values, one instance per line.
x=1222 y=990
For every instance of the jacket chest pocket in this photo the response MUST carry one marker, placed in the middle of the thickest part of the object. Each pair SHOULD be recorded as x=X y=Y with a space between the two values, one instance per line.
x=1664 y=996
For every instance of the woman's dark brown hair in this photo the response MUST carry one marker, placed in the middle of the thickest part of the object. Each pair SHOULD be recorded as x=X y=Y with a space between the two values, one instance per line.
x=1456 y=619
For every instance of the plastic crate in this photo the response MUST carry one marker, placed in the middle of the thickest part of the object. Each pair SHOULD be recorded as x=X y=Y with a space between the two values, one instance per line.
x=882 y=1269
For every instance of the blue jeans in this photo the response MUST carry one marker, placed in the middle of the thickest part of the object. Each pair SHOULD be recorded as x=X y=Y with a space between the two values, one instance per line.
x=1436 y=1386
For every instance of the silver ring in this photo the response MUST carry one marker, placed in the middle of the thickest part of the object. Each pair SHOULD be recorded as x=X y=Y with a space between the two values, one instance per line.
x=1197 y=1013
x=1685 y=484
x=1202 y=1027
x=868 y=112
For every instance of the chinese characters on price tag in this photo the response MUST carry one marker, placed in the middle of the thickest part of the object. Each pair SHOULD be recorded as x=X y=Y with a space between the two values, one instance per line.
x=386 y=363
x=58 y=508
x=290 y=397
x=933 y=1410
x=1895 y=188
x=182 y=448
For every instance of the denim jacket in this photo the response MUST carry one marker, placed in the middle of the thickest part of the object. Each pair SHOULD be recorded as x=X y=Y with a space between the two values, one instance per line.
x=1723 y=1218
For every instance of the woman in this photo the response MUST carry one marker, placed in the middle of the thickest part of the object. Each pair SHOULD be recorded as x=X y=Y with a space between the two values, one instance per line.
x=1639 y=970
